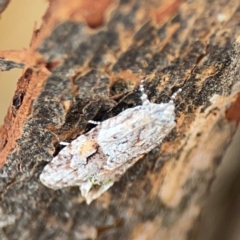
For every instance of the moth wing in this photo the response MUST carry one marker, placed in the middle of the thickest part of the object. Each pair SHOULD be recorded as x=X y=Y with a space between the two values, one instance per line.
x=118 y=127
x=68 y=168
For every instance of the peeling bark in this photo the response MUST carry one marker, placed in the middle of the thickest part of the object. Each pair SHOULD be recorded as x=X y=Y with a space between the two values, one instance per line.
x=85 y=63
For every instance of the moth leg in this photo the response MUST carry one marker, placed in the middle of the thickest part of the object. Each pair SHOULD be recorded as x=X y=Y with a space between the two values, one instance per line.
x=94 y=122
x=64 y=143
x=144 y=97
x=95 y=193
x=85 y=188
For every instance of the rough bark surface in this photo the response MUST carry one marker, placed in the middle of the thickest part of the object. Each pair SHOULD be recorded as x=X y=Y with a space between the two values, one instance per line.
x=85 y=63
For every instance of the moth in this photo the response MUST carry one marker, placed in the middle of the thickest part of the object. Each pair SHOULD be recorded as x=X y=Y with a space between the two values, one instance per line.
x=98 y=158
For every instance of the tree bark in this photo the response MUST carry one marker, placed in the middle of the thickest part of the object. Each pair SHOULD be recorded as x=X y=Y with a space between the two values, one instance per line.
x=85 y=63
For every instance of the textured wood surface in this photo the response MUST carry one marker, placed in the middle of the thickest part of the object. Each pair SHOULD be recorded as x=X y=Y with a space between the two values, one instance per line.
x=85 y=62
